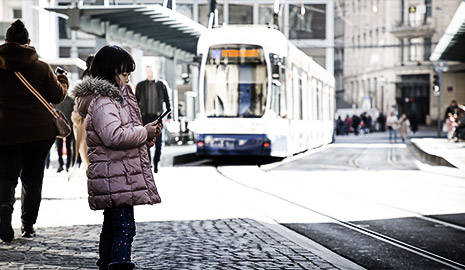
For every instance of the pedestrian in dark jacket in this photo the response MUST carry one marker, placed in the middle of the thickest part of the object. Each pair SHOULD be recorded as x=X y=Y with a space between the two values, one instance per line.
x=66 y=107
x=27 y=130
x=452 y=109
x=119 y=174
x=356 y=123
x=151 y=94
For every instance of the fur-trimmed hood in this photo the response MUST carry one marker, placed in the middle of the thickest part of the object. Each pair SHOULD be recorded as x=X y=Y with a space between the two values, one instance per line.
x=86 y=90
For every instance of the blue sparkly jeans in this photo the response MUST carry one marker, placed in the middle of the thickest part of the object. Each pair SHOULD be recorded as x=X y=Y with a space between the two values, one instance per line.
x=118 y=231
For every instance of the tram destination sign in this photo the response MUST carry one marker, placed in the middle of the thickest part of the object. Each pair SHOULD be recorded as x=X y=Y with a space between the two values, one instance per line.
x=236 y=55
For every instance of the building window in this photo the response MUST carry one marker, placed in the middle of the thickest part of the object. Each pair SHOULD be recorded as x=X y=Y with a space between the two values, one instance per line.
x=240 y=14
x=414 y=52
x=186 y=10
x=204 y=13
x=429 y=9
x=65 y=52
x=307 y=21
x=427 y=50
x=265 y=15
x=17 y=13
x=63 y=29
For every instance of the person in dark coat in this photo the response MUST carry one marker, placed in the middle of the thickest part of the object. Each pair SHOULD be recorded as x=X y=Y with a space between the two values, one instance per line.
x=27 y=129
x=382 y=122
x=355 y=124
x=413 y=123
x=452 y=109
x=151 y=94
x=66 y=107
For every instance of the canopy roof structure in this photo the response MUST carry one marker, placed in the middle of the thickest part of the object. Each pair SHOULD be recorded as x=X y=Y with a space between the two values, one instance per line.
x=149 y=27
x=452 y=43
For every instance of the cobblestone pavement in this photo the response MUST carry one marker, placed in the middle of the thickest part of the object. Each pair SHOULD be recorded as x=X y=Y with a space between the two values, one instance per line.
x=200 y=244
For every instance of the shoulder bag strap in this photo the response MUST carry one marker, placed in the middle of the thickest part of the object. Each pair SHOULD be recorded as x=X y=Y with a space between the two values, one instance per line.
x=36 y=94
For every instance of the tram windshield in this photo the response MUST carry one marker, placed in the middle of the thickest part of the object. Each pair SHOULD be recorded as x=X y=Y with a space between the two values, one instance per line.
x=235 y=81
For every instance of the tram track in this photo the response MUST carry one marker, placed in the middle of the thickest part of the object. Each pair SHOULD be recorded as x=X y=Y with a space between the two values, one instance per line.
x=363 y=229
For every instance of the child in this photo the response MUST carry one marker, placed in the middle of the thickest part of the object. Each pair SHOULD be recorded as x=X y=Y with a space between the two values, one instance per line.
x=119 y=173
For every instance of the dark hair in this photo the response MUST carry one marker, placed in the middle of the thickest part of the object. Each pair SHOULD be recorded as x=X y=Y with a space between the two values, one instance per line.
x=110 y=61
x=89 y=60
x=17 y=32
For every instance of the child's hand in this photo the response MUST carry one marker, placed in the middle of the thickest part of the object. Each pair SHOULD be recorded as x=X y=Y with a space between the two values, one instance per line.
x=151 y=130
x=157 y=129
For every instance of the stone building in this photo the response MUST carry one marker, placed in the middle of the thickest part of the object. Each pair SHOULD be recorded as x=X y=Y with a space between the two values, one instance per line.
x=388 y=44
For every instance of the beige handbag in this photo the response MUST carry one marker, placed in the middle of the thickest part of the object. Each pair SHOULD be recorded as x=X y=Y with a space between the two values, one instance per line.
x=61 y=124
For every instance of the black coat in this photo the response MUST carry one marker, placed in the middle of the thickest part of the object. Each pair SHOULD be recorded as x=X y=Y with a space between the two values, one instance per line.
x=151 y=103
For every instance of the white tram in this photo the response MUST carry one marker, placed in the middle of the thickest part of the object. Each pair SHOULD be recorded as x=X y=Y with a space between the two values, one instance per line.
x=260 y=95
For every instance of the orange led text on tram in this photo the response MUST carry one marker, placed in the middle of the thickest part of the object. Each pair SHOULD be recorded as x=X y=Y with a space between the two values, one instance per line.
x=239 y=53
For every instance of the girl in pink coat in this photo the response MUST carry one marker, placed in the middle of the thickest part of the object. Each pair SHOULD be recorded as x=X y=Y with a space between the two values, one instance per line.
x=119 y=173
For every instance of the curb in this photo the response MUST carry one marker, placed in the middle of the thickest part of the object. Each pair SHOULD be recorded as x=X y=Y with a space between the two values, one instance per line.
x=312 y=246
x=429 y=157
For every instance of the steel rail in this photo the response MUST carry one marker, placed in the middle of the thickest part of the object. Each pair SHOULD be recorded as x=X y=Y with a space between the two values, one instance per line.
x=382 y=237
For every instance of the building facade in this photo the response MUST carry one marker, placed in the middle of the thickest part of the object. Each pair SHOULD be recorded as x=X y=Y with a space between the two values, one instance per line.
x=388 y=44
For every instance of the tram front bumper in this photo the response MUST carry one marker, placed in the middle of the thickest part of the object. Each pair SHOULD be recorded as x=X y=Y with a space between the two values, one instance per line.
x=233 y=144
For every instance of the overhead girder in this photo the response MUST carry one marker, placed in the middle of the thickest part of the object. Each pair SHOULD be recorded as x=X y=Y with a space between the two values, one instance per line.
x=151 y=28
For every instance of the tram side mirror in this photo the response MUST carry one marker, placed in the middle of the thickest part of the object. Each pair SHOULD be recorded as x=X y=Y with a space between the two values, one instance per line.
x=197 y=58
x=275 y=71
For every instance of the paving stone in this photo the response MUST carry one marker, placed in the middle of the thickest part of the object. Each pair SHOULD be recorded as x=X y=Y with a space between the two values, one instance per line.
x=199 y=244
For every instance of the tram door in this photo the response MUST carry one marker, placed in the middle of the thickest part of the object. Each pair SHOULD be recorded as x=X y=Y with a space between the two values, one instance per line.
x=245 y=89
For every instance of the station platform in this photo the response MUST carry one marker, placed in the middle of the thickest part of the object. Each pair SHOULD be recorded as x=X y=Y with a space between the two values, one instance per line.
x=438 y=151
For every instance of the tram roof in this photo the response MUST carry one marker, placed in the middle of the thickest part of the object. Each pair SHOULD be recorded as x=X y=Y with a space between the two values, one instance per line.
x=451 y=44
x=270 y=39
x=149 y=27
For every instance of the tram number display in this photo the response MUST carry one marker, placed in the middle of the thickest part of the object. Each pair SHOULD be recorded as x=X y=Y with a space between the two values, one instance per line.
x=236 y=54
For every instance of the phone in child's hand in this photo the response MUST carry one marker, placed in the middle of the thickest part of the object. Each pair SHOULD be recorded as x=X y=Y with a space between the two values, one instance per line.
x=160 y=118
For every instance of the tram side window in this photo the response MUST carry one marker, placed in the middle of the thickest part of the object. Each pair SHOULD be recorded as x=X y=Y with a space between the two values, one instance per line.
x=297 y=94
x=315 y=99
x=325 y=102
x=317 y=106
x=278 y=94
x=304 y=100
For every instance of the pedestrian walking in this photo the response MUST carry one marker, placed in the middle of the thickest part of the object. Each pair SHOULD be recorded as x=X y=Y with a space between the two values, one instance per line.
x=348 y=122
x=119 y=174
x=27 y=129
x=356 y=124
x=66 y=107
x=413 y=123
x=452 y=109
x=151 y=94
x=404 y=127
x=382 y=122
x=392 y=125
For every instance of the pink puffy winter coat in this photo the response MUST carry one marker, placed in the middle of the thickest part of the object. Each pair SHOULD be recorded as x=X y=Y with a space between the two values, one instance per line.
x=119 y=172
